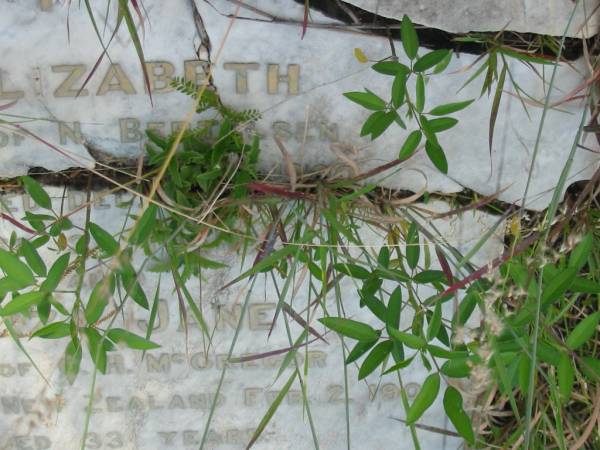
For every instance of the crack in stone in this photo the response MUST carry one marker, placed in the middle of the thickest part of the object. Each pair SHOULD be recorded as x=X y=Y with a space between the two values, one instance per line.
x=434 y=38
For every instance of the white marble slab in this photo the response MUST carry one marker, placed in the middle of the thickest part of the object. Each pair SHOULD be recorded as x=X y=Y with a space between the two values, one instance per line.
x=48 y=50
x=162 y=401
x=549 y=17
x=306 y=110
x=318 y=119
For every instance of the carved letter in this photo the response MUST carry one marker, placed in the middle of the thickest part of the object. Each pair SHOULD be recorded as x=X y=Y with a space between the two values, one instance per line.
x=163 y=318
x=10 y=405
x=42 y=442
x=259 y=316
x=160 y=364
x=130 y=130
x=3 y=139
x=198 y=77
x=241 y=74
x=74 y=133
x=251 y=396
x=160 y=74
x=115 y=72
x=156 y=127
x=292 y=79
x=229 y=316
x=167 y=436
x=76 y=72
x=9 y=95
x=46 y=5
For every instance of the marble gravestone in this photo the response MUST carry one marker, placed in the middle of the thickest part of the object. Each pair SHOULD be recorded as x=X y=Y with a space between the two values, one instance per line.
x=161 y=401
x=261 y=62
x=257 y=59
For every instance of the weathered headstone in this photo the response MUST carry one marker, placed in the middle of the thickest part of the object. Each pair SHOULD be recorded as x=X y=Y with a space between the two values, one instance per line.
x=162 y=401
x=296 y=84
x=50 y=49
x=300 y=94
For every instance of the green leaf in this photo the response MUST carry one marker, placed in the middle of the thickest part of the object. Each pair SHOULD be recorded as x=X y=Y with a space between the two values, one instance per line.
x=369 y=124
x=350 y=328
x=375 y=358
x=43 y=309
x=441 y=66
x=427 y=130
x=33 y=258
x=398 y=366
x=131 y=340
x=450 y=108
x=375 y=305
x=382 y=123
x=413 y=248
x=40 y=241
x=62 y=224
x=410 y=340
x=524 y=57
x=367 y=100
x=590 y=367
x=272 y=409
x=456 y=368
x=37 y=192
x=583 y=331
x=437 y=156
x=496 y=106
x=352 y=270
x=420 y=93
x=53 y=331
x=99 y=299
x=429 y=60
x=443 y=353
x=394 y=308
x=524 y=372
x=383 y=259
x=410 y=145
x=132 y=286
x=557 y=285
x=581 y=253
x=125 y=14
x=145 y=225
x=466 y=307
x=22 y=303
x=97 y=348
x=435 y=322
x=392 y=68
x=55 y=273
x=410 y=40
x=104 y=239
x=358 y=350
x=442 y=124
x=72 y=361
x=37 y=220
x=453 y=405
x=430 y=276
x=9 y=285
x=424 y=399
x=566 y=377
x=82 y=244
x=399 y=89
x=15 y=269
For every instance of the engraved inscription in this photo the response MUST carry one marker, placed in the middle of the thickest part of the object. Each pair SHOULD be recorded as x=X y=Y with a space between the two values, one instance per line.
x=75 y=74
x=116 y=80
x=5 y=94
x=241 y=74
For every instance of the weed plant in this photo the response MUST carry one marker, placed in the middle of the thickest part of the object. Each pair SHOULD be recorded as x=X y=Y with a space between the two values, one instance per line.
x=524 y=327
